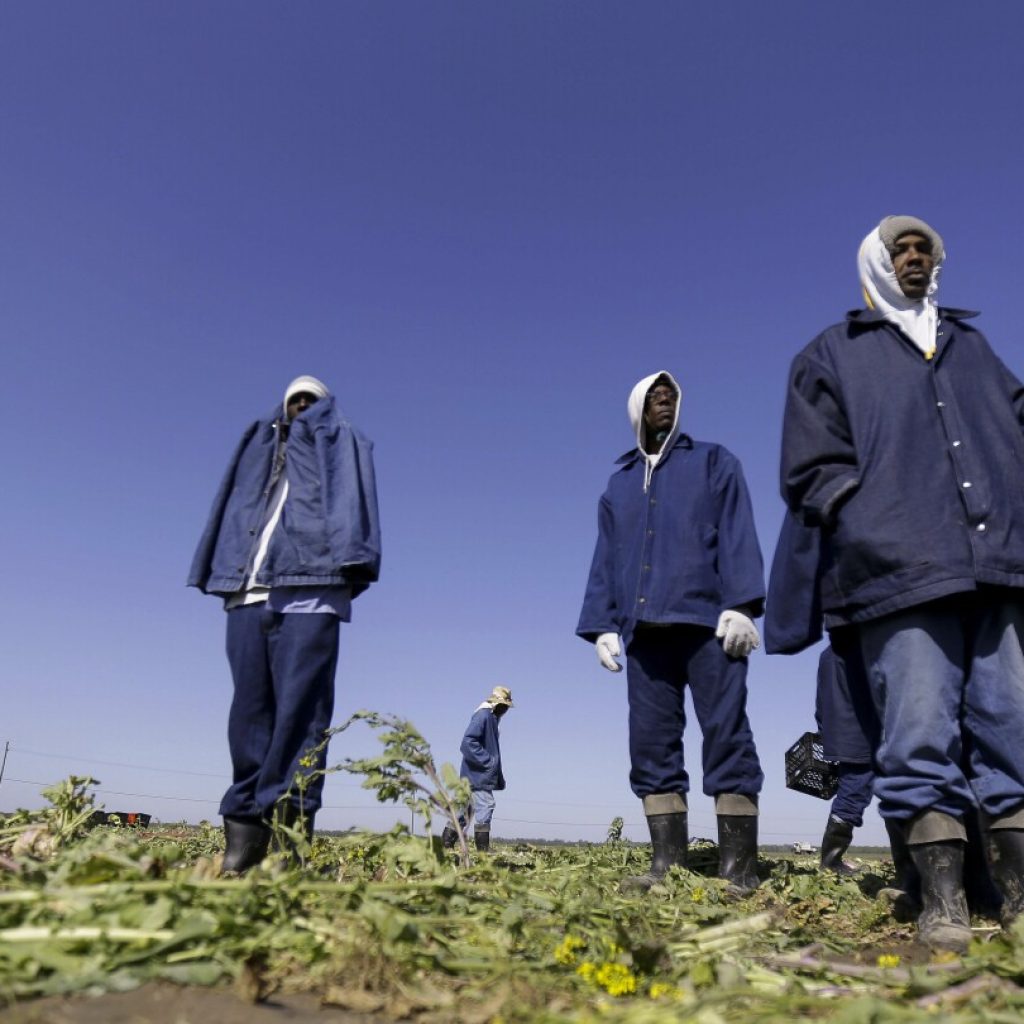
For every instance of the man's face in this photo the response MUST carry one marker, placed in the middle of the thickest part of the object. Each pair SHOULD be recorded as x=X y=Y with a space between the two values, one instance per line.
x=913 y=262
x=299 y=402
x=660 y=407
x=500 y=709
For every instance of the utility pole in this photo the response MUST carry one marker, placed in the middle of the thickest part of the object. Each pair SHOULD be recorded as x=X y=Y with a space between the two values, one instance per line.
x=3 y=763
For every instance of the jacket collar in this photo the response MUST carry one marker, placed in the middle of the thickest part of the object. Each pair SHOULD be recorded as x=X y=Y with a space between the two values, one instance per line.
x=682 y=441
x=321 y=411
x=866 y=317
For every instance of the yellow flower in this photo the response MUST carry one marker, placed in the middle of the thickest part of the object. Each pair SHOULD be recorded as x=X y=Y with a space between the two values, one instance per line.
x=698 y=895
x=565 y=951
x=888 y=960
x=660 y=990
x=615 y=979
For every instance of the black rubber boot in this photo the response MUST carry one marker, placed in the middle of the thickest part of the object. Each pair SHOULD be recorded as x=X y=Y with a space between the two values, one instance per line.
x=944 y=923
x=905 y=892
x=482 y=837
x=449 y=837
x=246 y=841
x=834 y=843
x=737 y=852
x=669 y=840
x=1006 y=855
x=983 y=896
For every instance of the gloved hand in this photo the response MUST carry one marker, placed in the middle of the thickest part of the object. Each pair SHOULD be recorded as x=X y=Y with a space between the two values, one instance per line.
x=608 y=649
x=738 y=633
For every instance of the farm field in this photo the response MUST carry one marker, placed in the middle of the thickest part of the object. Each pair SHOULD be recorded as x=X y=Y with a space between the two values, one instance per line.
x=113 y=924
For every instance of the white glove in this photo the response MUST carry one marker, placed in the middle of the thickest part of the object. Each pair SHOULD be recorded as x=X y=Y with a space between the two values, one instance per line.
x=608 y=649
x=738 y=634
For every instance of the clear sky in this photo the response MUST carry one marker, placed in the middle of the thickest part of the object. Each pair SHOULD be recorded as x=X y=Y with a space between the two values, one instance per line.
x=480 y=224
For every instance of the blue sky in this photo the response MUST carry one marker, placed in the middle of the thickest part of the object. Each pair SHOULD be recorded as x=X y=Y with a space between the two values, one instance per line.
x=480 y=224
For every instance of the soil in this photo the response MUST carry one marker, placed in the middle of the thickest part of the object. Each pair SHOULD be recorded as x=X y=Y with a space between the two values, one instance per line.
x=161 y=1003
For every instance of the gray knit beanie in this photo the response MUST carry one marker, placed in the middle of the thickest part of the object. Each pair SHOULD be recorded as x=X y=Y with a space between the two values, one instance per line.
x=893 y=228
x=311 y=385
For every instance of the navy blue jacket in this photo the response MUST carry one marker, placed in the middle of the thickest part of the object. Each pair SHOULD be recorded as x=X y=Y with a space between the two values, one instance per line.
x=913 y=467
x=328 y=534
x=681 y=552
x=481 y=755
x=793 y=615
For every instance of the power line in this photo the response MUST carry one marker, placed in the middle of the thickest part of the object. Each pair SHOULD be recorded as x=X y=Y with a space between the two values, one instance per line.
x=356 y=785
x=118 y=764
x=695 y=821
x=137 y=767
x=393 y=808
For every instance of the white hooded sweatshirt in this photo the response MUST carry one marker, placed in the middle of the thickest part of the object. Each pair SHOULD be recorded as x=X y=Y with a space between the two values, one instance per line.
x=635 y=408
x=916 y=318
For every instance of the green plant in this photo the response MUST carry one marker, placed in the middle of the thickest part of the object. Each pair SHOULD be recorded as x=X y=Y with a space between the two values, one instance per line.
x=405 y=771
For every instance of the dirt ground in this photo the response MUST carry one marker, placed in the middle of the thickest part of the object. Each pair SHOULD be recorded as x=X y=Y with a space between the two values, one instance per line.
x=171 y=1004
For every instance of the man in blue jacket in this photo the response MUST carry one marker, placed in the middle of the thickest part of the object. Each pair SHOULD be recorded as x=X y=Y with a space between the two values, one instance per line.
x=903 y=442
x=676 y=581
x=292 y=539
x=481 y=765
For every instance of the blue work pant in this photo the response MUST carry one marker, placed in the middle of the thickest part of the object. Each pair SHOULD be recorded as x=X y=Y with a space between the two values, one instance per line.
x=854 y=793
x=283 y=668
x=660 y=663
x=947 y=678
x=480 y=810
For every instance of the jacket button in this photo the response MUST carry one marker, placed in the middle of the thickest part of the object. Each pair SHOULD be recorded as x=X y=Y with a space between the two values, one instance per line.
x=941 y=405
x=650 y=533
x=643 y=600
x=967 y=483
x=980 y=527
x=956 y=444
x=252 y=531
x=647 y=568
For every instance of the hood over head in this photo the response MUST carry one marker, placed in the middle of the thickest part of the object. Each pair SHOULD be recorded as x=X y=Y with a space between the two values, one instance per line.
x=917 y=318
x=635 y=408
x=311 y=385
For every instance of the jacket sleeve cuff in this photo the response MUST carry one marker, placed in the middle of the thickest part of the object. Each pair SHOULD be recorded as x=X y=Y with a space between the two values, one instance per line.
x=753 y=608
x=591 y=633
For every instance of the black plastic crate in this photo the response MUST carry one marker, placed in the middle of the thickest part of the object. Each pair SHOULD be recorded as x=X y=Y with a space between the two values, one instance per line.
x=808 y=770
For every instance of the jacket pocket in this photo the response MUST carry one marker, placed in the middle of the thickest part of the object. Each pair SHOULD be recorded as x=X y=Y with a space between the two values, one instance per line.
x=306 y=535
x=698 y=564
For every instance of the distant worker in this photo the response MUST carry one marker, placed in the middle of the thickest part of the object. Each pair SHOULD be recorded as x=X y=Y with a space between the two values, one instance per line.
x=844 y=715
x=902 y=439
x=844 y=711
x=292 y=539
x=481 y=765
x=676 y=582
